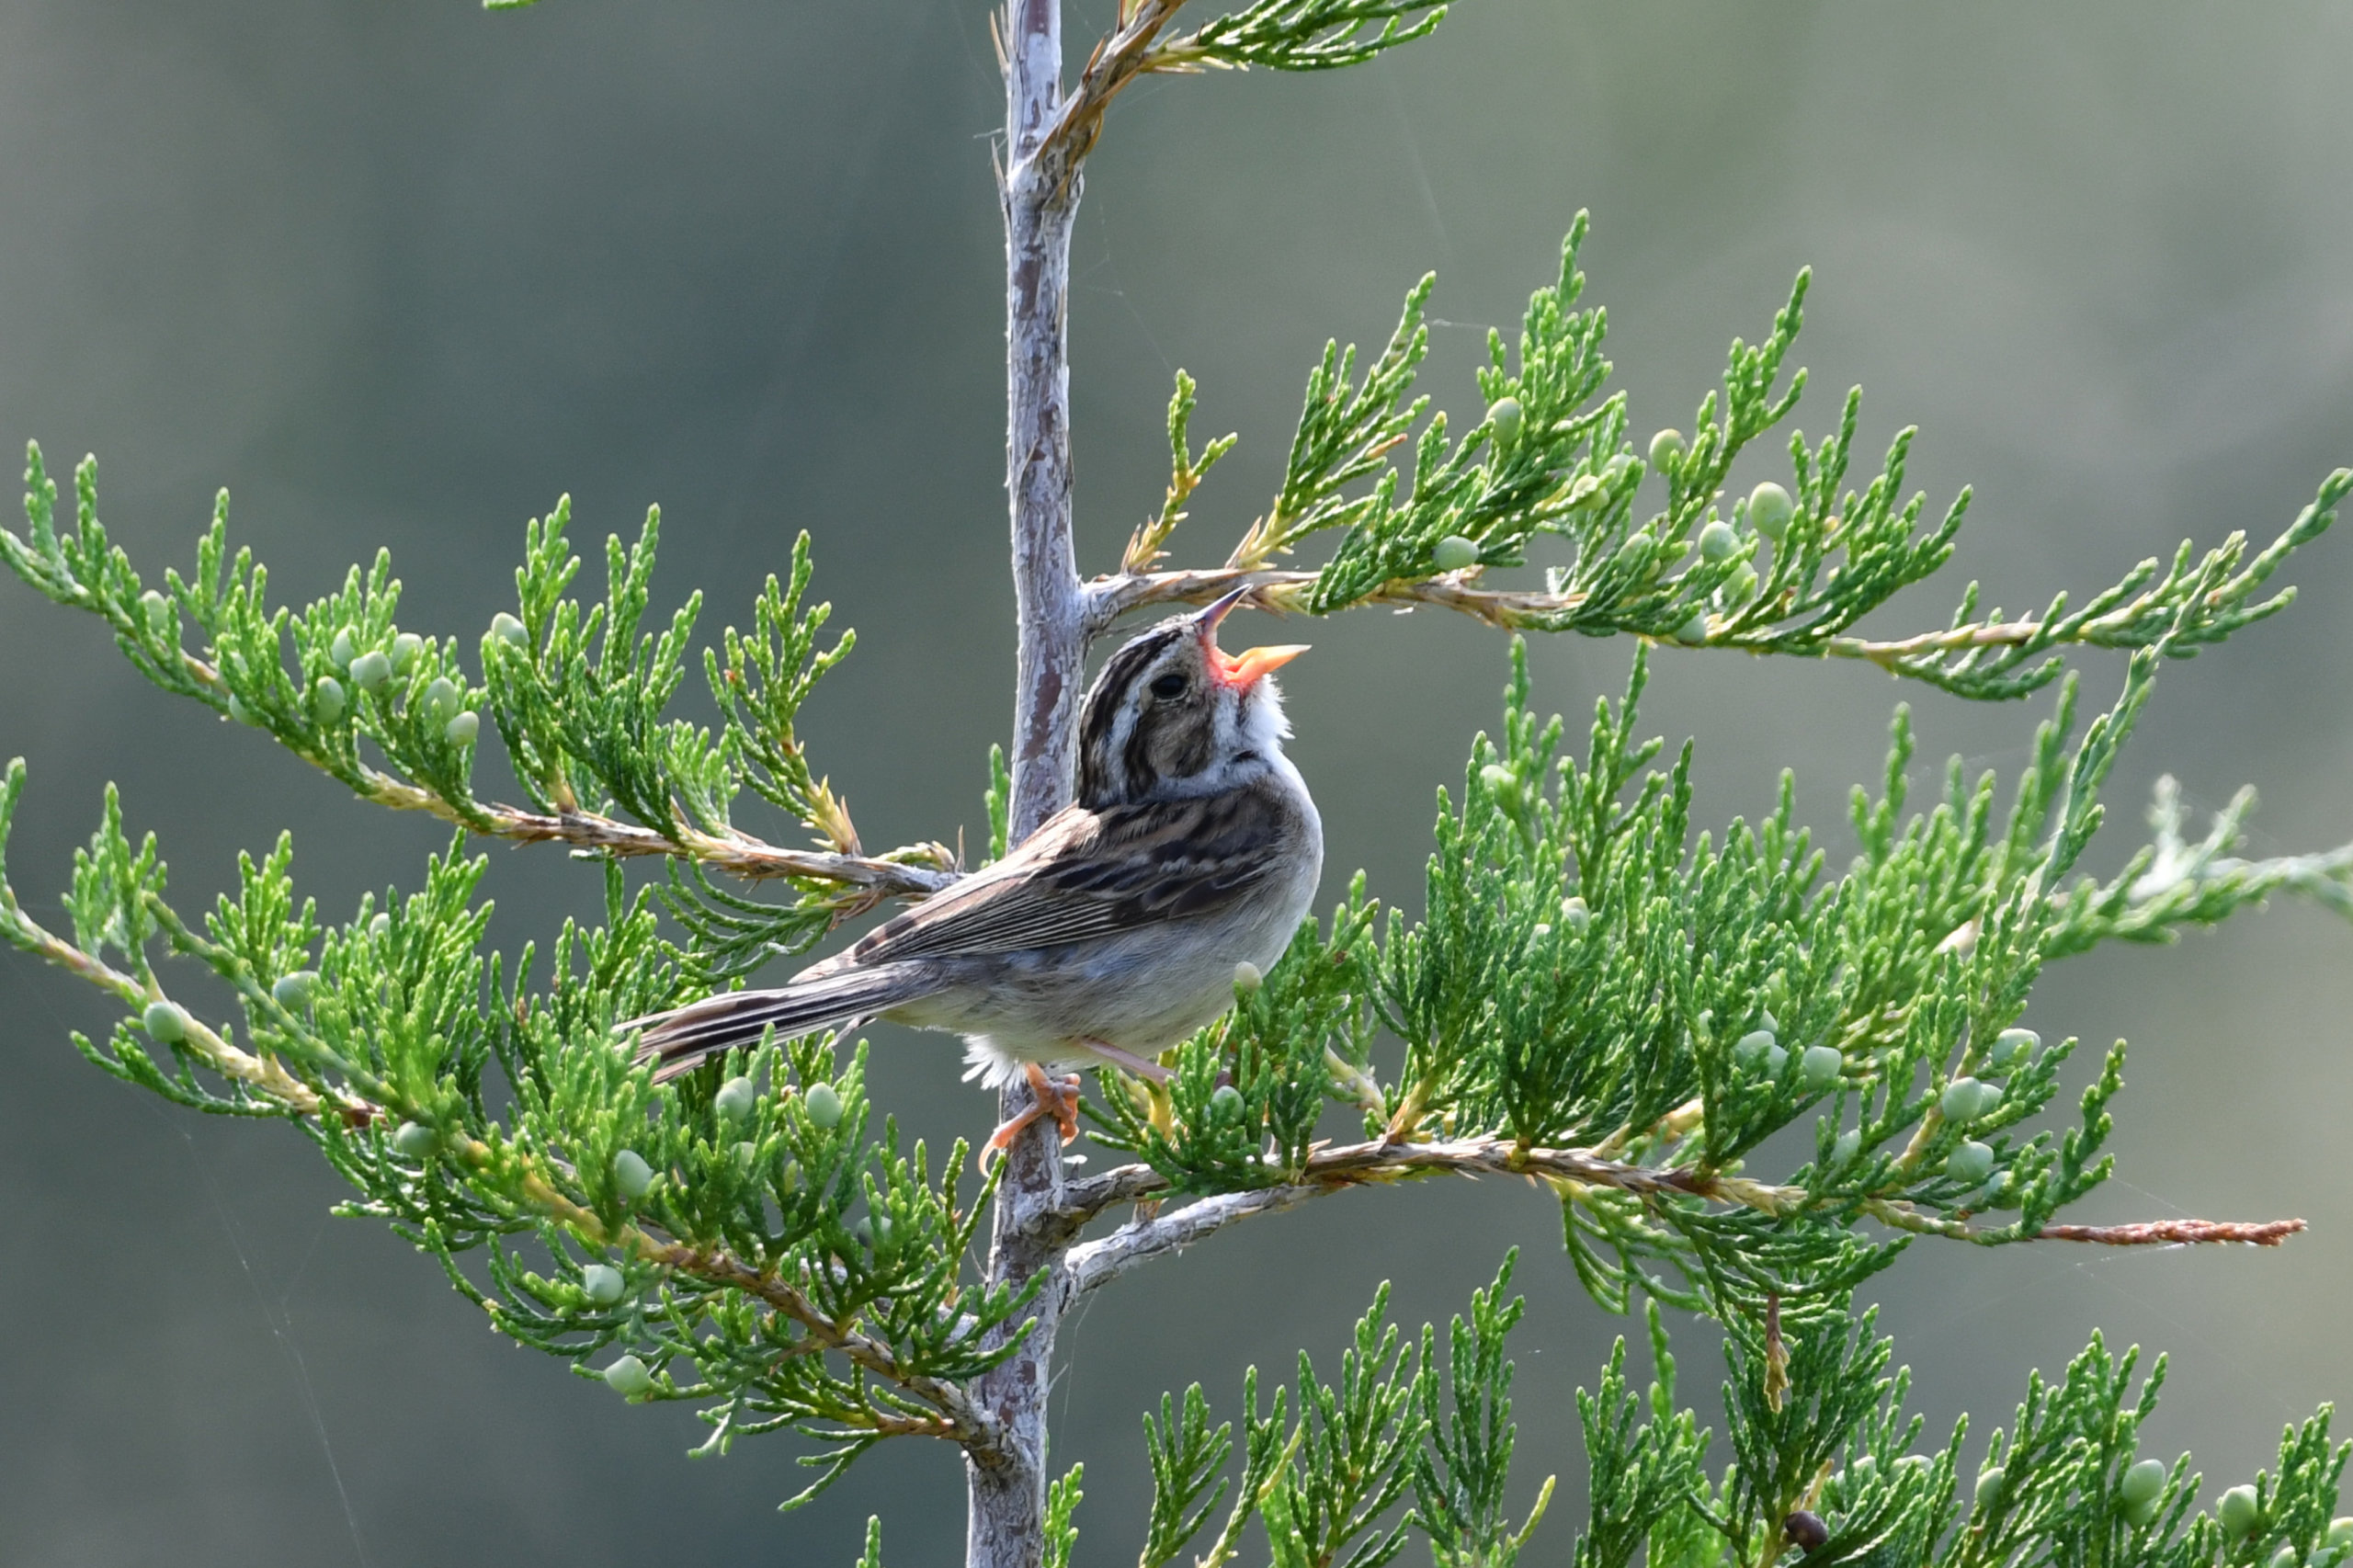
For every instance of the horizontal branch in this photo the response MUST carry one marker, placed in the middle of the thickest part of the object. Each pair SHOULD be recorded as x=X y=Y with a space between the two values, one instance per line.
x=1286 y=592
x=900 y=875
x=1100 y=1262
x=1330 y=1170
x=1084 y=1198
x=739 y=853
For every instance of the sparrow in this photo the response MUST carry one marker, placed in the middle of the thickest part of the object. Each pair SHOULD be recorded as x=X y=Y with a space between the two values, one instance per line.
x=1117 y=929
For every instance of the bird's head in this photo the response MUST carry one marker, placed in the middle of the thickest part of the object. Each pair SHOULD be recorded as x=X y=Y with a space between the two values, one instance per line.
x=1173 y=714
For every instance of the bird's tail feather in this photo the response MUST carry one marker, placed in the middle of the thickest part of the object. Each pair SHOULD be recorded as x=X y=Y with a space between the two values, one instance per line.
x=682 y=1039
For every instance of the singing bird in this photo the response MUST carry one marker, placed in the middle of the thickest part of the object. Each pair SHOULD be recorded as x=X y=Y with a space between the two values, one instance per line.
x=1113 y=931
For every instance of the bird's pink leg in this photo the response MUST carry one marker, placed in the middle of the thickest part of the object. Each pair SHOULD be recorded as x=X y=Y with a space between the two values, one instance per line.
x=1128 y=1061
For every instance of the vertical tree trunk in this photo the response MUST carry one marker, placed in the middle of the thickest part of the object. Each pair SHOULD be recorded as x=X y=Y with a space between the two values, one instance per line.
x=1005 y=1524
x=1041 y=196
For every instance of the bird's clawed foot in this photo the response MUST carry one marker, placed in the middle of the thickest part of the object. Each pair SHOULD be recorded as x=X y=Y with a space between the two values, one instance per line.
x=1047 y=1098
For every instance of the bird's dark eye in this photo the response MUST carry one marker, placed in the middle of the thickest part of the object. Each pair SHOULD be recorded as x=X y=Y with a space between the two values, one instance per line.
x=1168 y=685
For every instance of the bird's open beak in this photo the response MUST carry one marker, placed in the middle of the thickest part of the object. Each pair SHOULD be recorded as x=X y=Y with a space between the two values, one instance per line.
x=1243 y=669
x=1210 y=614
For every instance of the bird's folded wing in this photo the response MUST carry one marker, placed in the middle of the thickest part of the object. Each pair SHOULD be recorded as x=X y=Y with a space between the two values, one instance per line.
x=1087 y=874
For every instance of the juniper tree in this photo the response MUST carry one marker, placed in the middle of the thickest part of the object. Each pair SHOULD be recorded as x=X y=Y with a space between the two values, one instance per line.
x=1598 y=995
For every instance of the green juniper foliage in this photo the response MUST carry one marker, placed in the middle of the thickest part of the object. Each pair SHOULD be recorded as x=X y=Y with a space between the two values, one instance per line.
x=1458 y=1475
x=1552 y=457
x=1305 y=35
x=1599 y=995
x=1825 y=1466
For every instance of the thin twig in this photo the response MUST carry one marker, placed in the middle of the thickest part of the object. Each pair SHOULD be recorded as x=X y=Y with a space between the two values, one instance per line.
x=262 y=1073
x=1119 y=58
x=961 y=1420
x=1978 y=634
x=2173 y=1233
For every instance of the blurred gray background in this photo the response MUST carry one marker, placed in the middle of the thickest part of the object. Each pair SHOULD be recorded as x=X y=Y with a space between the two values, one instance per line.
x=400 y=275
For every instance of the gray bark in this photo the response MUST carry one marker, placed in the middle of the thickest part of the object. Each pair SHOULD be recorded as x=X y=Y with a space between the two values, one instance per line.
x=1100 y=1262
x=1041 y=196
x=1004 y=1521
